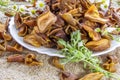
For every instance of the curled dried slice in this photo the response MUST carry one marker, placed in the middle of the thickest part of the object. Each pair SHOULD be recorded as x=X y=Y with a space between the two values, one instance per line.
x=2 y=27
x=3 y=44
x=54 y=31
x=7 y=36
x=93 y=15
x=92 y=34
x=85 y=3
x=87 y=28
x=69 y=19
x=3 y=31
x=60 y=22
x=43 y=39
x=45 y=21
x=31 y=60
x=113 y=58
x=23 y=30
x=2 y=48
x=110 y=65
x=31 y=39
x=74 y=11
x=99 y=45
x=56 y=63
x=67 y=4
x=93 y=76
x=14 y=48
x=15 y=58
x=30 y=22
x=18 y=20
x=68 y=76
x=61 y=34
x=91 y=24
x=58 y=33
x=114 y=17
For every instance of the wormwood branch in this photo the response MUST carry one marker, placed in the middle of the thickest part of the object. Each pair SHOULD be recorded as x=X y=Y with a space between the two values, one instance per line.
x=75 y=51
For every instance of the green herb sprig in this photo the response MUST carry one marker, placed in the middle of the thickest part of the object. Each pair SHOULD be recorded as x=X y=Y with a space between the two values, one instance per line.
x=75 y=51
x=4 y=2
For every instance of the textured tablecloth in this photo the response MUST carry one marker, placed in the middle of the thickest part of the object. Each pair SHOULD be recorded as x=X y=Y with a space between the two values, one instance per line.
x=18 y=71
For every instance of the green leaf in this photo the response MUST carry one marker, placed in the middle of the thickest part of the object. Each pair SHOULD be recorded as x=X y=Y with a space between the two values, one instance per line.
x=4 y=2
x=118 y=29
x=75 y=53
x=98 y=30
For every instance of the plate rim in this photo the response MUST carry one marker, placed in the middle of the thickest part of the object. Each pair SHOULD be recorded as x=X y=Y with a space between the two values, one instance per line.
x=11 y=24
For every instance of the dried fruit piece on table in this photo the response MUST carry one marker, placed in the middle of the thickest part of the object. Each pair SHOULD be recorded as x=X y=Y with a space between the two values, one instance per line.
x=93 y=15
x=98 y=45
x=56 y=63
x=7 y=36
x=2 y=48
x=68 y=76
x=14 y=48
x=110 y=65
x=93 y=76
x=30 y=59
x=45 y=21
x=2 y=27
x=4 y=36
x=3 y=32
x=15 y=58
x=113 y=58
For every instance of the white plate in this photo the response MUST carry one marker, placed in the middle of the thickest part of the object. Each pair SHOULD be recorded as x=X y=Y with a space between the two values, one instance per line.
x=42 y=50
x=48 y=51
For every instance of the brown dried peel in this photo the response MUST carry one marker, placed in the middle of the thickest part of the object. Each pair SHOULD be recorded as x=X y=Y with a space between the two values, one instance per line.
x=68 y=76
x=30 y=59
x=16 y=58
x=98 y=45
x=93 y=76
x=56 y=63
x=93 y=15
x=45 y=21
x=110 y=65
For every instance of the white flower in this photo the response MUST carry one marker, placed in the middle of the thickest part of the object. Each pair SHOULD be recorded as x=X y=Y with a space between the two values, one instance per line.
x=22 y=8
x=15 y=7
x=32 y=11
x=40 y=4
